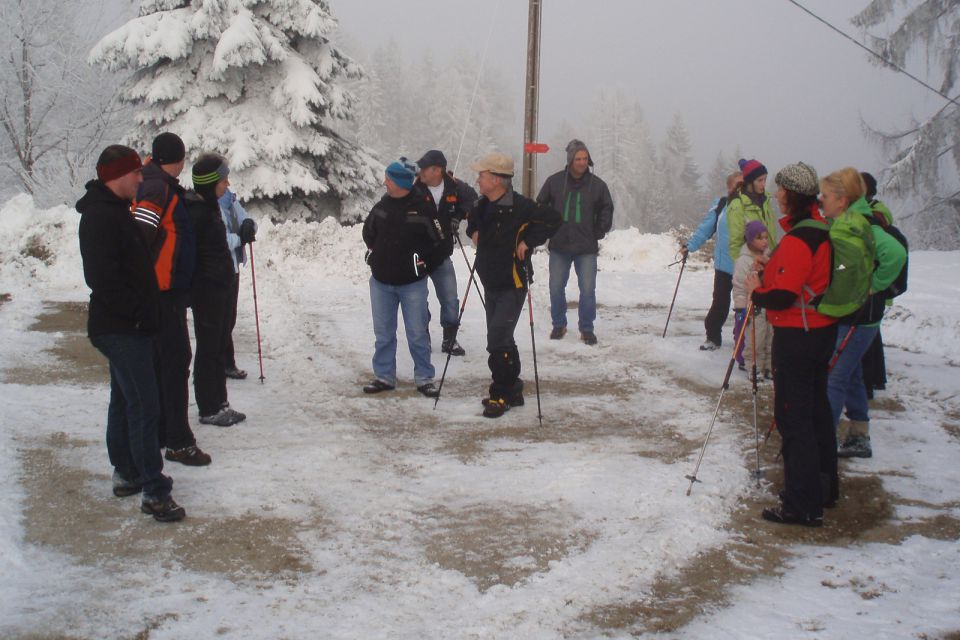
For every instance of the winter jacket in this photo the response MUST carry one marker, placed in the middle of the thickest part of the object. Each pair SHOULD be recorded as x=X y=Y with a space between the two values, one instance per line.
x=501 y=226
x=405 y=239
x=889 y=260
x=798 y=270
x=456 y=202
x=586 y=208
x=233 y=215
x=165 y=224
x=214 y=265
x=714 y=222
x=741 y=269
x=742 y=210
x=124 y=298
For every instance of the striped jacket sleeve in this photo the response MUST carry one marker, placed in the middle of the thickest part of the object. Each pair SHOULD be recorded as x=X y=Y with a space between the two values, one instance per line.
x=148 y=210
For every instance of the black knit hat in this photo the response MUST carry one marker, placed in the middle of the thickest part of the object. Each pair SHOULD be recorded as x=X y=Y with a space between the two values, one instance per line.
x=168 y=149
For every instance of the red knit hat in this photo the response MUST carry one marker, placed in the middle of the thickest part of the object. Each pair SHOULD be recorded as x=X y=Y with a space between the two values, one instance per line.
x=117 y=161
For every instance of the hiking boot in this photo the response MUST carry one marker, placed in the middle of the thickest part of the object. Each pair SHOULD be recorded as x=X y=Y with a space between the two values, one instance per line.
x=429 y=389
x=376 y=386
x=234 y=373
x=450 y=344
x=558 y=333
x=782 y=514
x=494 y=407
x=855 y=446
x=191 y=456
x=709 y=345
x=123 y=487
x=163 y=509
x=588 y=338
x=226 y=417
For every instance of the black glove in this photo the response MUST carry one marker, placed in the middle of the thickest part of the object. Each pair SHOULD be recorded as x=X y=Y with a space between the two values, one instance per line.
x=248 y=231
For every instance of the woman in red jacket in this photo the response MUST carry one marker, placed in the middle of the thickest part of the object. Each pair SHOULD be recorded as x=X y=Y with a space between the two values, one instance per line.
x=803 y=341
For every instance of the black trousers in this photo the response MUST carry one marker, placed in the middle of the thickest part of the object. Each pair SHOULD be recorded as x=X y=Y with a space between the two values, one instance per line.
x=211 y=305
x=804 y=420
x=874 y=366
x=720 y=307
x=503 y=313
x=228 y=355
x=173 y=371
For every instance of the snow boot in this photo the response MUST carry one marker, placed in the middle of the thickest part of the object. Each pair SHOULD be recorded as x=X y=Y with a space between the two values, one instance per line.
x=376 y=386
x=191 y=456
x=163 y=509
x=588 y=338
x=123 y=487
x=494 y=407
x=558 y=333
x=855 y=446
x=709 y=345
x=450 y=344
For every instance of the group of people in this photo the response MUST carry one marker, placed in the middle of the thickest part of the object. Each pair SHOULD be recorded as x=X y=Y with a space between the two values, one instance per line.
x=150 y=250
x=411 y=232
x=822 y=284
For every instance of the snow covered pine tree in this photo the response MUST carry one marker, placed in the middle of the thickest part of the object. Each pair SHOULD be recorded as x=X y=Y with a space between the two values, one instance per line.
x=254 y=80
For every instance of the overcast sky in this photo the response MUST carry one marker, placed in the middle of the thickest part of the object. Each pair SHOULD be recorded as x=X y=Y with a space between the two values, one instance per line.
x=760 y=74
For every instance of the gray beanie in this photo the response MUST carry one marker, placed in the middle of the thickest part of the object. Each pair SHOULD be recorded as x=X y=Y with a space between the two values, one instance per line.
x=577 y=145
x=800 y=178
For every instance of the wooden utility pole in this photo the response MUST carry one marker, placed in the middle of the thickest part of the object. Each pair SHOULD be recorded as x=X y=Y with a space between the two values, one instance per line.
x=532 y=99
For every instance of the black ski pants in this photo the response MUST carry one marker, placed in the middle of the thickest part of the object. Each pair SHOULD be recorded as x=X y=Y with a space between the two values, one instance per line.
x=804 y=420
x=720 y=307
x=503 y=313
x=211 y=305
x=173 y=371
x=228 y=355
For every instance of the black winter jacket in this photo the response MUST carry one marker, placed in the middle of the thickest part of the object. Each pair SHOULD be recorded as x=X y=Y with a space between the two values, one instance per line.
x=406 y=240
x=457 y=201
x=502 y=225
x=214 y=266
x=586 y=208
x=124 y=298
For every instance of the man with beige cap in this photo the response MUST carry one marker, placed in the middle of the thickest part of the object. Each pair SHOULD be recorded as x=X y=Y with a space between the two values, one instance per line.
x=505 y=226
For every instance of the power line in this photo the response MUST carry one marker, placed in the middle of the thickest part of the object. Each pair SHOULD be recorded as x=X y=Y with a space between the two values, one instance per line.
x=885 y=61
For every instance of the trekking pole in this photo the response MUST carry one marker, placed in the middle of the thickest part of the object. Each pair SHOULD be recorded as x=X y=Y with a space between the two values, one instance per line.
x=683 y=263
x=256 y=312
x=463 y=305
x=723 y=388
x=756 y=425
x=470 y=267
x=533 y=345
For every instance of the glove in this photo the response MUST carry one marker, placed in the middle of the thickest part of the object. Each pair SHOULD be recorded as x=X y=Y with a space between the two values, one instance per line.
x=248 y=231
x=454 y=227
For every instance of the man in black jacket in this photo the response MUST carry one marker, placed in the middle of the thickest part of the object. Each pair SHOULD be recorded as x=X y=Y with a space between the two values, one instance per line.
x=505 y=227
x=210 y=294
x=163 y=220
x=452 y=199
x=587 y=217
x=124 y=317
x=405 y=242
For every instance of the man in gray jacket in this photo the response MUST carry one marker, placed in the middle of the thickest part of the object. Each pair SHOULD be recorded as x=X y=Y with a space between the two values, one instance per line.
x=587 y=208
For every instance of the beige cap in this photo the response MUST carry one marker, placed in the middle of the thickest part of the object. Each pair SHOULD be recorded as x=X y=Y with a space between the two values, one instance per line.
x=499 y=163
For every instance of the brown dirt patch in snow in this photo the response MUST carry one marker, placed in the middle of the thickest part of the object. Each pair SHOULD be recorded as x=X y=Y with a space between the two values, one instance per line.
x=74 y=511
x=500 y=544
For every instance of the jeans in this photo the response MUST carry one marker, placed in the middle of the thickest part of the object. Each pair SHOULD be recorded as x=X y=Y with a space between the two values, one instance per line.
x=845 y=385
x=720 y=307
x=585 y=265
x=133 y=417
x=802 y=412
x=412 y=301
x=445 y=284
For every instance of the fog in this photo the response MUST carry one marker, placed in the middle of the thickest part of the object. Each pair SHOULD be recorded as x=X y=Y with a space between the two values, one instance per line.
x=763 y=76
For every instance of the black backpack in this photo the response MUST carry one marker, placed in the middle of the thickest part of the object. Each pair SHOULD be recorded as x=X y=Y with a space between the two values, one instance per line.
x=899 y=285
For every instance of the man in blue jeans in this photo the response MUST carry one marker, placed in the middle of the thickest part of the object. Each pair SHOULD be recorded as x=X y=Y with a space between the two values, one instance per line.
x=584 y=201
x=405 y=243
x=123 y=319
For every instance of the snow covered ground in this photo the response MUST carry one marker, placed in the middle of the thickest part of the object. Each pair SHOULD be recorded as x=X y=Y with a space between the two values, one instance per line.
x=330 y=514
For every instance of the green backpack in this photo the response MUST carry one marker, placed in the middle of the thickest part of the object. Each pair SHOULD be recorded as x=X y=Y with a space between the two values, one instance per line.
x=853 y=250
